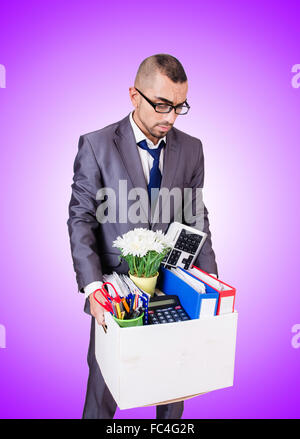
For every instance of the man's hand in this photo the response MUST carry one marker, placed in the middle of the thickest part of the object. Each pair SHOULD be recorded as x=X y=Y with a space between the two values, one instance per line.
x=97 y=310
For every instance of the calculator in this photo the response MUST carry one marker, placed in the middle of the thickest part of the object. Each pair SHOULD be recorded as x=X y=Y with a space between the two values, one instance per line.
x=186 y=245
x=166 y=309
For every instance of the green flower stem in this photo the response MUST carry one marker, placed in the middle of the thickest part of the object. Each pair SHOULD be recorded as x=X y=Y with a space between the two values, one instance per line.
x=134 y=263
x=146 y=266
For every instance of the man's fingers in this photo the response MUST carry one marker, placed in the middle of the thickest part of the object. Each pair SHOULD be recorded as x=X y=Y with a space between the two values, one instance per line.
x=97 y=310
x=100 y=298
x=100 y=318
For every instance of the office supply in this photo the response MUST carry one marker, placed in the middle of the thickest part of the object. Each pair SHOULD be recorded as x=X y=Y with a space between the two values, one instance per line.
x=132 y=303
x=132 y=289
x=125 y=304
x=186 y=245
x=208 y=279
x=195 y=304
x=227 y=293
x=138 y=312
x=193 y=282
x=107 y=305
x=125 y=281
x=118 y=311
x=166 y=309
x=114 y=279
x=127 y=323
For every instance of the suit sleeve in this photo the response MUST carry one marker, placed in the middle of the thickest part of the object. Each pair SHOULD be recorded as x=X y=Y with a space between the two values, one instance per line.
x=206 y=259
x=82 y=222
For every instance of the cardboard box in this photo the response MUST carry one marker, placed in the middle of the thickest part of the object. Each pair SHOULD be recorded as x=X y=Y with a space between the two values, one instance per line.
x=155 y=364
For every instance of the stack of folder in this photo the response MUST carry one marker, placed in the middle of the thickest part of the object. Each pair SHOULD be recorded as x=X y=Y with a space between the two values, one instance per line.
x=226 y=292
x=200 y=294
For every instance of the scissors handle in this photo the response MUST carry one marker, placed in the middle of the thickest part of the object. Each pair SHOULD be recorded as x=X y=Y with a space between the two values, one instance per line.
x=117 y=298
x=106 y=305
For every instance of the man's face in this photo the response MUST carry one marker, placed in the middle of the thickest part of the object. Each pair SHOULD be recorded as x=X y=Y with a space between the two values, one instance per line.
x=156 y=125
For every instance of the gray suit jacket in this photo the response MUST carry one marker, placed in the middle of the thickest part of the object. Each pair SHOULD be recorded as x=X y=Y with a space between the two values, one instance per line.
x=105 y=157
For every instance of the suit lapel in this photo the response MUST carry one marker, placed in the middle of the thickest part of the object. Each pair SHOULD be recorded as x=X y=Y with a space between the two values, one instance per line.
x=125 y=142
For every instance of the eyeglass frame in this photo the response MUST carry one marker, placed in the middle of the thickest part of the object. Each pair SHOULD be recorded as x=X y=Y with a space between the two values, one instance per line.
x=154 y=105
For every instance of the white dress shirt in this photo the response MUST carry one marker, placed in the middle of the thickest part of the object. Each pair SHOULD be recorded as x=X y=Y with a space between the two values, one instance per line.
x=147 y=162
x=146 y=158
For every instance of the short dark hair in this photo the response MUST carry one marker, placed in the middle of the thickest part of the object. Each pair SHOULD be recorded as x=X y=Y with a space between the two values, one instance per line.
x=166 y=64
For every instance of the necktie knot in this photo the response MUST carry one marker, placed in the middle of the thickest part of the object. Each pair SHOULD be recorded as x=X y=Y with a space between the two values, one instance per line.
x=154 y=152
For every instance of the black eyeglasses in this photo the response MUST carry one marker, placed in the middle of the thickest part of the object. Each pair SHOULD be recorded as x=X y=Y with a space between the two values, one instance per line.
x=167 y=108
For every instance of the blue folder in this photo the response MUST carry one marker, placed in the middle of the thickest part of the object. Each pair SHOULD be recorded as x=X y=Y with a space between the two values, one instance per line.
x=190 y=299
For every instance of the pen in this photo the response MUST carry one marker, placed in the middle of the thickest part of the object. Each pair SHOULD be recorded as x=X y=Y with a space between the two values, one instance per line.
x=125 y=304
x=131 y=303
x=135 y=301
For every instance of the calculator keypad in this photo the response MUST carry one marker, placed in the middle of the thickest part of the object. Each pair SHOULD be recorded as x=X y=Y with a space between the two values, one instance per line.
x=188 y=242
x=167 y=315
x=183 y=251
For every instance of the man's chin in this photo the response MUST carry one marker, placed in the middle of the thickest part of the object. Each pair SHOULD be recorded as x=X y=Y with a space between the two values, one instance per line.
x=162 y=132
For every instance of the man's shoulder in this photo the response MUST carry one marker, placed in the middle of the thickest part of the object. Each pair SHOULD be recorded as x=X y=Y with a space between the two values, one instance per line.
x=105 y=132
x=186 y=139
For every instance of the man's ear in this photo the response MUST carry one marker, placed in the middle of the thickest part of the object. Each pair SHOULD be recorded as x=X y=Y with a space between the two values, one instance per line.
x=134 y=96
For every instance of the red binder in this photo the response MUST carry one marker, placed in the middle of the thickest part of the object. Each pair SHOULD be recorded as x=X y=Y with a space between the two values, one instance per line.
x=226 y=292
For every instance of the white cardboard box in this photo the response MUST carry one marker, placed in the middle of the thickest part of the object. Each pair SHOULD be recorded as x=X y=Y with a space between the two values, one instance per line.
x=154 y=364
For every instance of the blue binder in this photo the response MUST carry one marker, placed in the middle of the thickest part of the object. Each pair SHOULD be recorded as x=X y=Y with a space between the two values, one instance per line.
x=190 y=299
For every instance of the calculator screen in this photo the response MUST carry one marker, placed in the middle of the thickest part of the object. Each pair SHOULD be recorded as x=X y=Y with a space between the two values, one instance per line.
x=166 y=310
x=161 y=303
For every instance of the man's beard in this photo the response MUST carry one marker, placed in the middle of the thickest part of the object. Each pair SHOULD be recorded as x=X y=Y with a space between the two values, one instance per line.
x=159 y=136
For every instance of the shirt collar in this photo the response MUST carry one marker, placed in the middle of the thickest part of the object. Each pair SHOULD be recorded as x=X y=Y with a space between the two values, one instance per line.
x=139 y=135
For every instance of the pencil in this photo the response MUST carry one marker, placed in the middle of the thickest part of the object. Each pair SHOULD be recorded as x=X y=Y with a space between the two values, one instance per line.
x=125 y=304
x=118 y=310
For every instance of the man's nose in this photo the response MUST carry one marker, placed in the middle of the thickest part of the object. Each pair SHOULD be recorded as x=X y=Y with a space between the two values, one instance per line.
x=170 y=117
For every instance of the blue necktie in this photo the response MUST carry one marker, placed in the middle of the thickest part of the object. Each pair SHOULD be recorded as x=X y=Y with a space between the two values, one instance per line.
x=155 y=174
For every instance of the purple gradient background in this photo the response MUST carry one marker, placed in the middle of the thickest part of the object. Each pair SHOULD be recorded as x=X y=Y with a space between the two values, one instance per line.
x=63 y=60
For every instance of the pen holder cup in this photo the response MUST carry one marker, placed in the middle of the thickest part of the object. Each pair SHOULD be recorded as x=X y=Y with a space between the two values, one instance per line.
x=130 y=322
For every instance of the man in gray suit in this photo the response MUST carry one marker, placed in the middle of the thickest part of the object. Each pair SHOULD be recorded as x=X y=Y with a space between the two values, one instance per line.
x=114 y=168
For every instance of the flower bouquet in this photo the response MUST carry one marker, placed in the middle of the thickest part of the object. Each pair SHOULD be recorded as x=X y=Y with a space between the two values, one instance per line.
x=143 y=250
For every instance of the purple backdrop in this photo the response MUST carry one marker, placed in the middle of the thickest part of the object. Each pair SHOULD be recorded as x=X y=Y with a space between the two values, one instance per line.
x=68 y=69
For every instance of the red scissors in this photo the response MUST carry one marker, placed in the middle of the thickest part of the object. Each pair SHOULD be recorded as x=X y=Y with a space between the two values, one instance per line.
x=107 y=305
